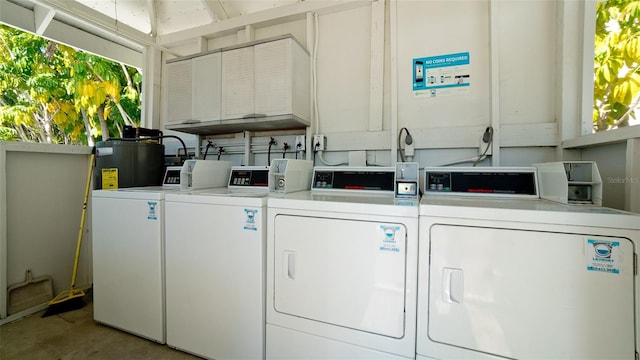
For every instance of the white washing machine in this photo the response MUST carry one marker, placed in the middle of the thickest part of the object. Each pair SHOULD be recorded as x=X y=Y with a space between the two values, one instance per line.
x=215 y=266
x=342 y=268
x=128 y=284
x=128 y=254
x=515 y=277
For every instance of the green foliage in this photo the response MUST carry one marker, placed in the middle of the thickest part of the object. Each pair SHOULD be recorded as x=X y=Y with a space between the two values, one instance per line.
x=45 y=87
x=617 y=63
x=7 y=134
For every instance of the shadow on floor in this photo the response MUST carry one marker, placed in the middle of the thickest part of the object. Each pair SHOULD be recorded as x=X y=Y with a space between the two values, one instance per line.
x=75 y=335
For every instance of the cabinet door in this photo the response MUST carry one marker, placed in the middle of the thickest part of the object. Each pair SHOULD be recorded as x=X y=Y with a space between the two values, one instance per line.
x=238 y=83
x=343 y=272
x=273 y=78
x=179 y=92
x=206 y=87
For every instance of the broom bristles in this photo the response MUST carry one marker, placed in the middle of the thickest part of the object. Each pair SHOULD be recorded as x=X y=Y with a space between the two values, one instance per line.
x=67 y=300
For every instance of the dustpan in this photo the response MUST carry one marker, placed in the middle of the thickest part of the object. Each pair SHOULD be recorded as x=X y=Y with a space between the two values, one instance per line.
x=30 y=293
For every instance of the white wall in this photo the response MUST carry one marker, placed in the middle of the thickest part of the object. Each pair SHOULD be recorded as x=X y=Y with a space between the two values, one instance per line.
x=526 y=67
x=611 y=161
x=41 y=196
x=513 y=53
x=429 y=28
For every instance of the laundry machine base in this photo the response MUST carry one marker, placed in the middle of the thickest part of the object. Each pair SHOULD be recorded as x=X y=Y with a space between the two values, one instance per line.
x=283 y=343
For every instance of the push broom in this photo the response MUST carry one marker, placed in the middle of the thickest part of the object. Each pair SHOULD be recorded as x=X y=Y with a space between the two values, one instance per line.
x=71 y=299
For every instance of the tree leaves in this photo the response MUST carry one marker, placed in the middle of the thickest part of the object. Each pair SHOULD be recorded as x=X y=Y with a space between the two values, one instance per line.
x=45 y=87
x=617 y=63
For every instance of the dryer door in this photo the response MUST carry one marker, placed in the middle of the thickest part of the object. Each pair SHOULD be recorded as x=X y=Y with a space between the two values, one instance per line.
x=531 y=294
x=349 y=273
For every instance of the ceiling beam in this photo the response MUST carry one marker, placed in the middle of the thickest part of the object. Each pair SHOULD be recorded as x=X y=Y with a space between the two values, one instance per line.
x=295 y=11
x=75 y=10
x=42 y=17
x=16 y=16
x=153 y=21
x=216 y=9
x=22 y=18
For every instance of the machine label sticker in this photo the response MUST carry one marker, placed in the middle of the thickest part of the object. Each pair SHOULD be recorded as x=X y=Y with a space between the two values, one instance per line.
x=110 y=178
x=602 y=255
x=250 y=223
x=441 y=75
x=389 y=242
x=152 y=210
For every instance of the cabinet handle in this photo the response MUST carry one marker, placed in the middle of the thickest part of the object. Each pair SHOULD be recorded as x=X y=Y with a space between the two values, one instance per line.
x=187 y=122
x=249 y=116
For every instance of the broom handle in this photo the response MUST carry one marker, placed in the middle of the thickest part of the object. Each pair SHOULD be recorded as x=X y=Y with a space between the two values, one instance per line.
x=82 y=219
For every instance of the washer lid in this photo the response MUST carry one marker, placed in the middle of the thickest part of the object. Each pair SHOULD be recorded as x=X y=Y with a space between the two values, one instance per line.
x=151 y=192
x=222 y=196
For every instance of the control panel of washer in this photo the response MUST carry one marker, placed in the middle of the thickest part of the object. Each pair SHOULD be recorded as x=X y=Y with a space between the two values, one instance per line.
x=503 y=181
x=249 y=176
x=353 y=178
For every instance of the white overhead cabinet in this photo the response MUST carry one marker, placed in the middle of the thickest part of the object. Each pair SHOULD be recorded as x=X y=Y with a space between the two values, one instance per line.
x=179 y=92
x=206 y=87
x=262 y=85
x=238 y=82
x=193 y=89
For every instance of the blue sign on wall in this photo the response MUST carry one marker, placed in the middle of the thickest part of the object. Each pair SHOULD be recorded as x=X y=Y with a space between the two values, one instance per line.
x=441 y=75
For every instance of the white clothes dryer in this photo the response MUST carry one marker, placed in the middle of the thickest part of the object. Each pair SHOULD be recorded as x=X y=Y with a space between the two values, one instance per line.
x=342 y=268
x=524 y=278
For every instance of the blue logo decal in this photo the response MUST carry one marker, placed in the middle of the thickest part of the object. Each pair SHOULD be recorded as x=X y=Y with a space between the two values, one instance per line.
x=602 y=250
x=152 y=210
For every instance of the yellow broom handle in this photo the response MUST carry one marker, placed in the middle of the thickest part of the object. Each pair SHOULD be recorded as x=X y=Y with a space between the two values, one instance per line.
x=82 y=218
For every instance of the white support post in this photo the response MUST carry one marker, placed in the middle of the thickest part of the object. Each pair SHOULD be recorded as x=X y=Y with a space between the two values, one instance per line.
x=494 y=36
x=248 y=156
x=376 y=72
x=393 y=43
x=312 y=128
x=202 y=44
x=153 y=18
x=588 y=51
x=152 y=99
x=42 y=18
x=249 y=33
x=3 y=232
x=632 y=174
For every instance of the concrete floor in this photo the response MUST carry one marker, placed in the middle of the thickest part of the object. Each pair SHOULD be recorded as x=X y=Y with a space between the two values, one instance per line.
x=75 y=335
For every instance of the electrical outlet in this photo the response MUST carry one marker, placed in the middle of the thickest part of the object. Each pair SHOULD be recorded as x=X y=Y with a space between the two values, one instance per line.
x=319 y=142
x=482 y=147
x=300 y=144
x=409 y=149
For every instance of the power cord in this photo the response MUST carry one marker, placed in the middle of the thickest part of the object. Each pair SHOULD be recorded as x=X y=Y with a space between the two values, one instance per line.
x=487 y=138
x=408 y=140
x=206 y=150
x=322 y=160
x=298 y=146
x=272 y=141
